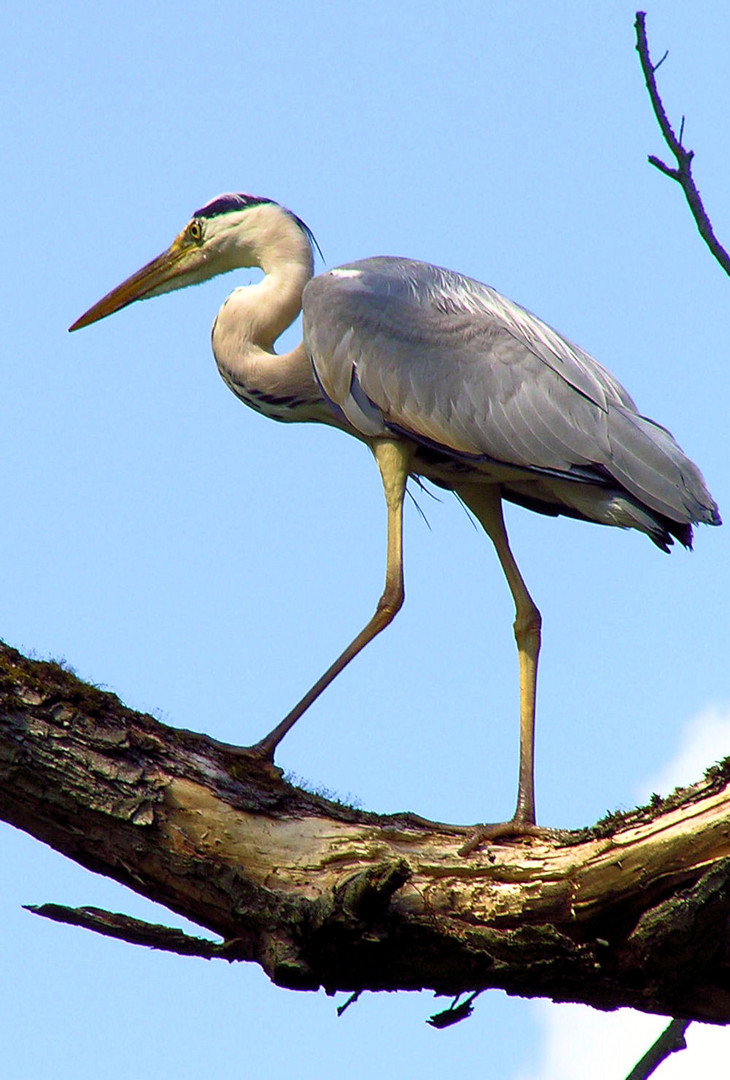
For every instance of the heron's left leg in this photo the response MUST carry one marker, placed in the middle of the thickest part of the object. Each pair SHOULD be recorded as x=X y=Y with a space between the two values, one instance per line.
x=394 y=458
x=486 y=504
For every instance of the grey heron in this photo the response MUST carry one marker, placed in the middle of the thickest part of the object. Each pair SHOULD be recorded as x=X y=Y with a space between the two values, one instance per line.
x=442 y=378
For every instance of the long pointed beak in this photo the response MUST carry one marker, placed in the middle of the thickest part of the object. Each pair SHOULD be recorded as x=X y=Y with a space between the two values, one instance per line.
x=156 y=276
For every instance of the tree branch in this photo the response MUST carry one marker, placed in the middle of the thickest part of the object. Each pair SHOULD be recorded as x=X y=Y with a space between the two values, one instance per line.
x=670 y=1040
x=134 y=931
x=633 y=912
x=683 y=173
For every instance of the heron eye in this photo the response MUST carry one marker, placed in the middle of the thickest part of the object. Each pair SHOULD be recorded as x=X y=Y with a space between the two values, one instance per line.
x=195 y=230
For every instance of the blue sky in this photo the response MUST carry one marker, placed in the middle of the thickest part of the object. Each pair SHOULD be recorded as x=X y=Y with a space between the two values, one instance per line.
x=207 y=564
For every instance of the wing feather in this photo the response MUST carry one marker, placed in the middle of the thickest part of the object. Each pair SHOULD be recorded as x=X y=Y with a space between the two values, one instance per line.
x=429 y=353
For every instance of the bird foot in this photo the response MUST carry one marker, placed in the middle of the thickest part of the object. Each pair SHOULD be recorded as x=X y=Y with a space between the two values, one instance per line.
x=482 y=834
x=258 y=756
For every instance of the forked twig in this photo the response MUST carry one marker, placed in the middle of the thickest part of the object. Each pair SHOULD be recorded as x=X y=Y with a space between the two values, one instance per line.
x=683 y=172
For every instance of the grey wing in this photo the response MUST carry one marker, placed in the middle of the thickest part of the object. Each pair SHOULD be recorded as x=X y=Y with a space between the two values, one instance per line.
x=405 y=346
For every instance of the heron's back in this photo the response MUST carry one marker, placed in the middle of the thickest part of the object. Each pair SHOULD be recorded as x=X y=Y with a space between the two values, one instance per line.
x=485 y=388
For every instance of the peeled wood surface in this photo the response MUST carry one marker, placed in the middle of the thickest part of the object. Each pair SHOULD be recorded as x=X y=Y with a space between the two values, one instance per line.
x=633 y=912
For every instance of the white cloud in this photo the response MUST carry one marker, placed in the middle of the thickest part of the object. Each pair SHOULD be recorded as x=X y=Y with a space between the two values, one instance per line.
x=706 y=740
x=579 y=1042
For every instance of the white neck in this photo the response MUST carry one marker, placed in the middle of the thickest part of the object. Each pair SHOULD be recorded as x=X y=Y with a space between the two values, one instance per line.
x=253 y=317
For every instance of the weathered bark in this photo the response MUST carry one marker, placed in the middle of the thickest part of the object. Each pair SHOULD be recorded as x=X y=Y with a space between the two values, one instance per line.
x=632 y=912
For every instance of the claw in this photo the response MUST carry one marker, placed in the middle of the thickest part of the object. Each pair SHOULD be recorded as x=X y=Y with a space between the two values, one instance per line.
x=501 y=830
x=241 y=759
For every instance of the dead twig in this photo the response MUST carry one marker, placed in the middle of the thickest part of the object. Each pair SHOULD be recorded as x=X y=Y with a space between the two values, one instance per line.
x=134 y=931
x=683 y=172
x=670 y=1040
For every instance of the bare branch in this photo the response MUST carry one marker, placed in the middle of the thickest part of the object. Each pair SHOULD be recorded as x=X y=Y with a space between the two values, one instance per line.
x=633 y=912
x=683 y=173
x=134 y=931
x=659 y=164
x=670 y=1040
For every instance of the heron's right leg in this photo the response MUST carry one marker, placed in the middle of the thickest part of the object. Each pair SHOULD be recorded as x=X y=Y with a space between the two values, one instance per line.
x=394 y=458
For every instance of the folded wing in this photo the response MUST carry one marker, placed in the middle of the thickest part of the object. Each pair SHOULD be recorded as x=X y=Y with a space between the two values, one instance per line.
x=407 y=347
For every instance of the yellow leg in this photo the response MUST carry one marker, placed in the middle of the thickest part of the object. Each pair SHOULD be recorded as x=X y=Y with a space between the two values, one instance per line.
x=394 y=459
x=485 y=503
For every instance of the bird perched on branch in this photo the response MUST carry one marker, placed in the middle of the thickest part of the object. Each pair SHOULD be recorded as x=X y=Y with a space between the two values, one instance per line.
x=443 y=378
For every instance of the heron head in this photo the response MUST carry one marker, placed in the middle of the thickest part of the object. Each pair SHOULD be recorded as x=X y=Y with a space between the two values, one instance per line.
x=230 y=231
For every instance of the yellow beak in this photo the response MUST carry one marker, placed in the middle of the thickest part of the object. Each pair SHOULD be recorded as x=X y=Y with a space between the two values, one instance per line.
x=180 y=257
